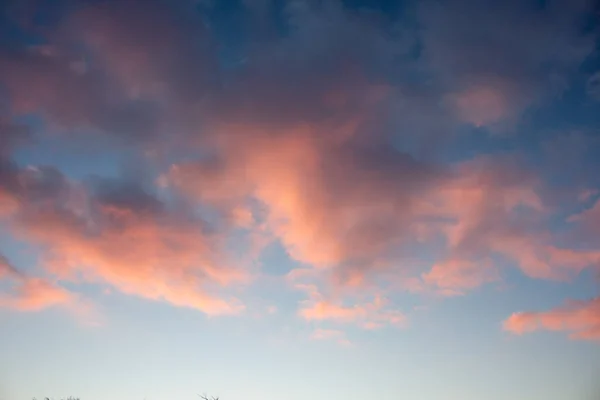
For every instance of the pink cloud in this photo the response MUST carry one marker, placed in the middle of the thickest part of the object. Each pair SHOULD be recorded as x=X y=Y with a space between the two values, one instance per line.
x=155 y=259
x=369 y=315
x=35 y=294
x=117 y=234
x=454 y=277
x=323 y=310
x=341 y=209
x=293 y=176
x=326 y=202
x=538 y=259
x=581 y=319
x=319 y=201
x=30 y=294
x=485 y=206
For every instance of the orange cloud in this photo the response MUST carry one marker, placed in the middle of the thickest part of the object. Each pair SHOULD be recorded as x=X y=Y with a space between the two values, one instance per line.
x=372 y=315
x=35 y=294
x=158 y=259
x=454 y=277
x=325 y=200
x=348 y=209
x=31 y=293
x=581 y=319
x=484 y=214
x=323 y=310
x=338 y=206
x=328 y=202
x=117 y=234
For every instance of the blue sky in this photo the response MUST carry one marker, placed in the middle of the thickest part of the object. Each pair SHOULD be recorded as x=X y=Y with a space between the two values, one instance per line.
x=286 y=199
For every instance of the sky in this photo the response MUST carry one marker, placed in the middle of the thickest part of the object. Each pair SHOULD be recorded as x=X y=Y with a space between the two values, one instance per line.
x=300 y=199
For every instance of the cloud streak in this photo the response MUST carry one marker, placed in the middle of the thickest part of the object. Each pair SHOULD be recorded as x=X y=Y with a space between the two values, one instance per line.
x=580 y=319
x=30 y=294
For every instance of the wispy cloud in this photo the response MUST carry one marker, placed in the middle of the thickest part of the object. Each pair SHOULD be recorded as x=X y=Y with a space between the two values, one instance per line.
x=580 y=319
